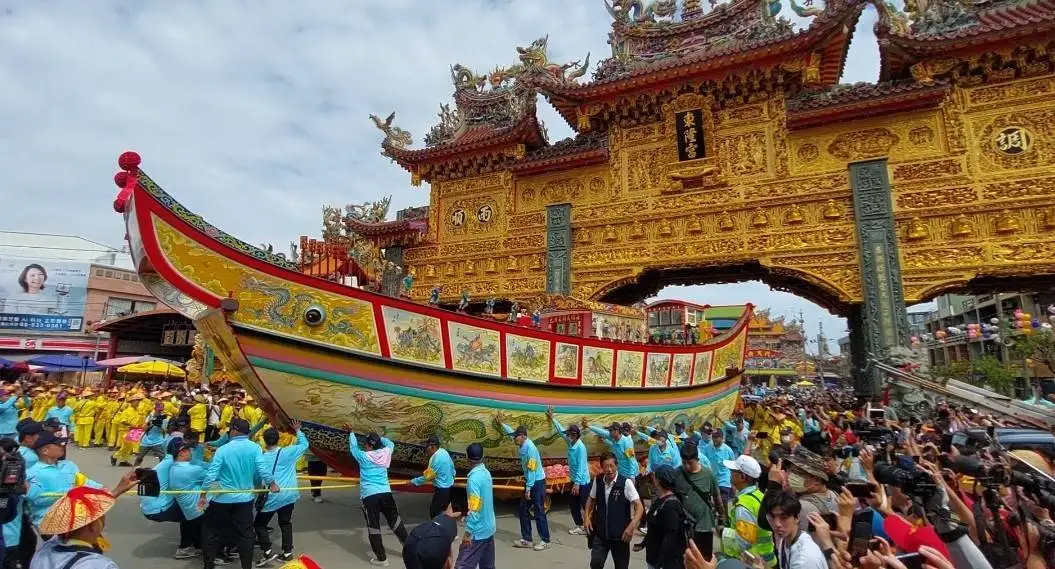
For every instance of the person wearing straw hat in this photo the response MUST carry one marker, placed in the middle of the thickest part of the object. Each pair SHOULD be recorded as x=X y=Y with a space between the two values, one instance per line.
x=76 y=521
x=126 y=420
x=108 y=404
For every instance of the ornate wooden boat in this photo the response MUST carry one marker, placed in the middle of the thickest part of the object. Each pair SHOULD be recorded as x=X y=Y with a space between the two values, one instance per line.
x=342 y=359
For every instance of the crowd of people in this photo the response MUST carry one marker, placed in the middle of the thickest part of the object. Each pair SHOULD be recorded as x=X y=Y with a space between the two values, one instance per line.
x=802 y=479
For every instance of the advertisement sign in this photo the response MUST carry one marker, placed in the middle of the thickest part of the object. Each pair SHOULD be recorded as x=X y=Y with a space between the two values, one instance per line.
x=48 y=296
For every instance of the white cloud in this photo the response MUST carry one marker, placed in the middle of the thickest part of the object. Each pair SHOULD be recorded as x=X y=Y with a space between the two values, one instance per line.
x=254 y=114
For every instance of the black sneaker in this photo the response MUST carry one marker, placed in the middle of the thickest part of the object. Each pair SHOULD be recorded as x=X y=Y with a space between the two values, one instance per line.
x=113 y=461
x=286 y=556
x=266 y=557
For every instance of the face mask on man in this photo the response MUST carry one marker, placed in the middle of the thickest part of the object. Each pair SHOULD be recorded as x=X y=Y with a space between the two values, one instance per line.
x=786 y=439
x=797 y=482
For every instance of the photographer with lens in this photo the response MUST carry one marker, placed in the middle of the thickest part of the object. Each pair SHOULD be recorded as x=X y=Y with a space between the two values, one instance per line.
x=153 y=441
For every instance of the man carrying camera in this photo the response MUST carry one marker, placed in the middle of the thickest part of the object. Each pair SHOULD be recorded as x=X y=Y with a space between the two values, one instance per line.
x=153 y=441
x=613 y=513
x=697 y=489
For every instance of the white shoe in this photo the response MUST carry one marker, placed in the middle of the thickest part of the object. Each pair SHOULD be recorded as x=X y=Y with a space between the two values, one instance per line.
x=522 y=544
x=541 y=546
x=317 y=499
x=642 y=530
x=378 y=563
x=577 y=531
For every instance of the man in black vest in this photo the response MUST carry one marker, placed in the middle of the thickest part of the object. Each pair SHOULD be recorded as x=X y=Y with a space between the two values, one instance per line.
x=613 y=513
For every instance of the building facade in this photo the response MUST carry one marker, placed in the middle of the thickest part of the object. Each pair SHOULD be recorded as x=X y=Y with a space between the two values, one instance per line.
x=958 y=311
x=57 y=290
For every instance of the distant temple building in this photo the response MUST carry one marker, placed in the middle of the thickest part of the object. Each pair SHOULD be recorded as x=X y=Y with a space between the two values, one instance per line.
x=776 y=347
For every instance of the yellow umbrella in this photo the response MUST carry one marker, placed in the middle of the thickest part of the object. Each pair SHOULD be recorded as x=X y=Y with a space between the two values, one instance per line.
x=153 y=368
x=804 y=383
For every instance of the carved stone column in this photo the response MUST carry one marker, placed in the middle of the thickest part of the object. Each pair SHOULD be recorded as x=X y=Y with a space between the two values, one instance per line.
x=558 y=249
x=881 y=320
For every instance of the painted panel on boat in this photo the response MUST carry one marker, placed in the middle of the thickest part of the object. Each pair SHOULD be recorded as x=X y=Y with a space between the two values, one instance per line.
x=566 y=362
x=658 y=369
x=597 y=364
x=702 y=373
x=527 y=358
x=729 y=355
x=270 y=303
x=629 y=368
x=409 y=419
x=413 y=337
x=682 y=367
x=474 y=349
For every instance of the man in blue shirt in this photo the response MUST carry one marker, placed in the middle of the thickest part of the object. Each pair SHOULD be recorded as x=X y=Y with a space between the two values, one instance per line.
x=8 y=411
x=281 y=462
x=51 y=476
x=578 y=468
x=153 y=441
x=20 y=531
x=374 y=491
x=234 y=467
x=737 y=432
x=61 y=412
x=440 y=472
x=621 y=446
x=661 y=452
x=187 y=475
x=478 y=543
x=717 y=453
x=534 y=490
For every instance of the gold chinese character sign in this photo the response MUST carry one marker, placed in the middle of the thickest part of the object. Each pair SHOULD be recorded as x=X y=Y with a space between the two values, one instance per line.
x=690 y=133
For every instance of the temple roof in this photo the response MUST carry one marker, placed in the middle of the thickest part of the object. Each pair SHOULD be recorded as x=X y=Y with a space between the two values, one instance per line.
x=730 y=36
x=583 y=149
x=945 y=28
x=813 y=108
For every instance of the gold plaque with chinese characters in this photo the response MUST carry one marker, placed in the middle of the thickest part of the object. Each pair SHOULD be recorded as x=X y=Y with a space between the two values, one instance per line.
x=690 y=132
x=1013 y=140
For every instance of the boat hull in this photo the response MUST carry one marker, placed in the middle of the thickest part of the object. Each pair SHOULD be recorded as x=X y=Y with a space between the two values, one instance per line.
x=376 y=363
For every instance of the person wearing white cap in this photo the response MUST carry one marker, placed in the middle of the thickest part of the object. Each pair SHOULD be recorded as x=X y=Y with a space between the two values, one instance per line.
x=743 y=533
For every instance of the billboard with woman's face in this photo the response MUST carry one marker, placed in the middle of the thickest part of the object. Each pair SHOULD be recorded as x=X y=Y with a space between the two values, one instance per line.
x=47 y=296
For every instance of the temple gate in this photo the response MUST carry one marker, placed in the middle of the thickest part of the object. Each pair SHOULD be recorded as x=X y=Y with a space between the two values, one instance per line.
x=718 y=146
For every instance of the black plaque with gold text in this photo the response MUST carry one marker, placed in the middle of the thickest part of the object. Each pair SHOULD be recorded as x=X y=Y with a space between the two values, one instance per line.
x=689 y=126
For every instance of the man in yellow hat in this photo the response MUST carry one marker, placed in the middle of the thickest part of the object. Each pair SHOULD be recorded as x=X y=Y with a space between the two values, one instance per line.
x=84 y=411
x=124 y=422
x=197 y=414
x=108 y=404
x=76 y=521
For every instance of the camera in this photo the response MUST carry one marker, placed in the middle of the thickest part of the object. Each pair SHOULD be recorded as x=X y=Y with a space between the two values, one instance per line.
x=314 y=315
x=848 y=452
x=12 y=476
x=913 y=483
x=158 y=421
x=878 y=436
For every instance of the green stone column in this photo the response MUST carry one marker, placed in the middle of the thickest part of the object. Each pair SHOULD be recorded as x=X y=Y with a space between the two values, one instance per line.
x=881 y=320
x=558 y=249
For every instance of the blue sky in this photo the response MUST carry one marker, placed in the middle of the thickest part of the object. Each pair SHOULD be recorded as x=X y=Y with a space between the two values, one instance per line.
x=254 y=114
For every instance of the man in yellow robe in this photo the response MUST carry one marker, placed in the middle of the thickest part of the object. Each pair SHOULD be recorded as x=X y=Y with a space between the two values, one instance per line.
x=42 y=401
x=107 y=403
x=126 y=420
x=197 y=414
x=84 y=411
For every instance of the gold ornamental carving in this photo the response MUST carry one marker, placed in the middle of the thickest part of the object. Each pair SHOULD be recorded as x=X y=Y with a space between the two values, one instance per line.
x=936 y=198
x=511 y=264
x=858 y=145
x=808 y=153
x=471 y=218
x=1012 y=140
x=943 y=257
x=1047 y=218
x=1005 y=222
x=694 y=226
x=832 y=211
x=759 y=218
x=637 y=230
x=643 y=171
x=791 y=241
x=430 y=271
x=999 y=95
x=916 y=230
x=921 y=135
x=725 y=222
x=666 y=229
x=794 y=215
x=944 y=167
x=610 y=236
x=1041 y=187
x=745 y=154
x=961 y=226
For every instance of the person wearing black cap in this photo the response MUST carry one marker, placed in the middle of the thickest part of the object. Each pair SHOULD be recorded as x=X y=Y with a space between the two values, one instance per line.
x=429 y=544
x=665 y=542
x=478 y=543
x=440 y=472
x=621 y=446
x=28 y=431
x=51 y=477
x=578 y=470
x=233 y=467
x=534 y=489
x=375 y=492
x=613 y=514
